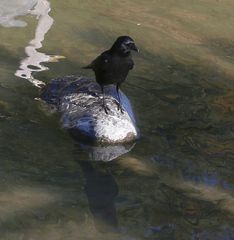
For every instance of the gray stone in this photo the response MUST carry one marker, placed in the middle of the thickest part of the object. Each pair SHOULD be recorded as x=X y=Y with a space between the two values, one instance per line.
x=79 y=100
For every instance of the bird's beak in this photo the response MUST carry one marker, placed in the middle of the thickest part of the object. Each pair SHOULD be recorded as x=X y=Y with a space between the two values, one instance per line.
x=133 y=47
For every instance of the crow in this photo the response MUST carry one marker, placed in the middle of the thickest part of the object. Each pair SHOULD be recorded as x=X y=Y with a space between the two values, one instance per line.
x=113 y=65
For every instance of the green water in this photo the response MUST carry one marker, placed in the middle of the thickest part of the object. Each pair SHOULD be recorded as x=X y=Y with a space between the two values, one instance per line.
x=177 y=182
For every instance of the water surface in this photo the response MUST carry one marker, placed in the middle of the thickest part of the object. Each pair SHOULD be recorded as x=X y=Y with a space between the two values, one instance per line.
x=177 y=181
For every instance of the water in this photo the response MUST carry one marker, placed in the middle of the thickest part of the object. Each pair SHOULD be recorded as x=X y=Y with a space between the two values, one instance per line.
x=177 y=181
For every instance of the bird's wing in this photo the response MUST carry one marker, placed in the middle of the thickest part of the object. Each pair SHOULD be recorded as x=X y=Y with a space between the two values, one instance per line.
x=88 y=66
x=100 y=63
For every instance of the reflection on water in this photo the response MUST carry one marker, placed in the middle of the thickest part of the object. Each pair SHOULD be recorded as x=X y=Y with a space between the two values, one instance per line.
x=106 y=153
x=11 y=9
x=101 y=190
x=32 y=63
x=177 y=181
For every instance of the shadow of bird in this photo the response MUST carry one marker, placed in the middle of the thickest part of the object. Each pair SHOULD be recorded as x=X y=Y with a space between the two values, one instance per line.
x=113 y=65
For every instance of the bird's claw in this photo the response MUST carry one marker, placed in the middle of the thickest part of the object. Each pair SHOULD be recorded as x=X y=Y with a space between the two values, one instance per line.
x=106 y=108
x=119 y=107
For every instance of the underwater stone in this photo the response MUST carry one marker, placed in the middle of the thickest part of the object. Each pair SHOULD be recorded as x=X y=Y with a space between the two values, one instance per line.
x=79 y=100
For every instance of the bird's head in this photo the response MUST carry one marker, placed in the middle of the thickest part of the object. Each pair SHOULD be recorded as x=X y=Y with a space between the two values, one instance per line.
x=124 y=45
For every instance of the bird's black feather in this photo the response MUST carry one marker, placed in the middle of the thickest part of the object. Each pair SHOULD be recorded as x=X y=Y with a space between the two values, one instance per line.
x=113 y=65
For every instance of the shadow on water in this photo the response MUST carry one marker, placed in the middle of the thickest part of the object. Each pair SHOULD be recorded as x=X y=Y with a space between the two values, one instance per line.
x=185 y=138
x=154 y=204
x=101 y=190
x=56 y=205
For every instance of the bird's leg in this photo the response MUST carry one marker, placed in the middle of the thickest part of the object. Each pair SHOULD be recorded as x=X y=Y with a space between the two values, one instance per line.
x=103 y=100
x=119 y=102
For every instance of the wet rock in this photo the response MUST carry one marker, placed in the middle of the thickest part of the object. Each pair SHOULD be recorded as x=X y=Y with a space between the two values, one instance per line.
x=79 y=100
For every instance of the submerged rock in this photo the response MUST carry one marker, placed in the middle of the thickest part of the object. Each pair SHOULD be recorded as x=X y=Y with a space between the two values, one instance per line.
x=79 y=100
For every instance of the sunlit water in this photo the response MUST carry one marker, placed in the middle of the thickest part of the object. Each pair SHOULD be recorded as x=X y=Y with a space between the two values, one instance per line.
x=177 y=181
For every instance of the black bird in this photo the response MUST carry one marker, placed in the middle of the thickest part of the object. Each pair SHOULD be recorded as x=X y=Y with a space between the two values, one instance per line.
x=113 y=65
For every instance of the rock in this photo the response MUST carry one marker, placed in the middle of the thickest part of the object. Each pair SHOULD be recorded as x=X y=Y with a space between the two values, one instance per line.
x=79 y=100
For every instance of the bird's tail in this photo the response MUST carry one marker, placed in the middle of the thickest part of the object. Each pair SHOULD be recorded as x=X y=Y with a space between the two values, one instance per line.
x=88 y=67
